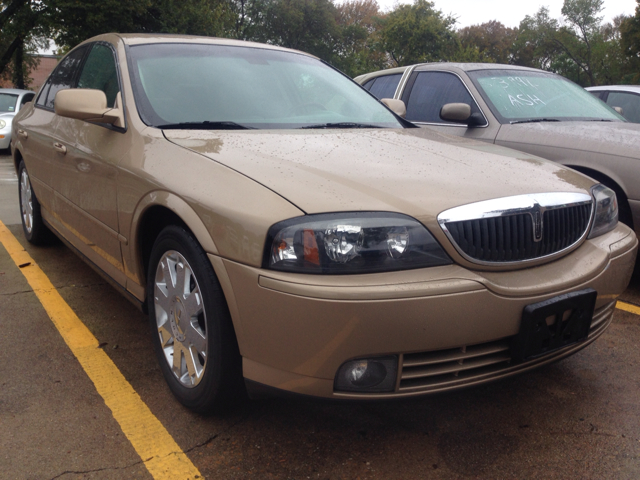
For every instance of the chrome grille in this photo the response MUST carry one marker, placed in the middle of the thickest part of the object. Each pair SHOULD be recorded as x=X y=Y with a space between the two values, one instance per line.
x=511 y=238
x=517 y=229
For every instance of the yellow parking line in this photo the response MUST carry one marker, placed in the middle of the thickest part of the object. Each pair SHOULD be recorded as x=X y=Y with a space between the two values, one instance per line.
x=627 y=307
x=160 y=453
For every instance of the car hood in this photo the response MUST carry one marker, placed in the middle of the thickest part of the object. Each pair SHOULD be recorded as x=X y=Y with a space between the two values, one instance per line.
x=418 y=172
x=7 y=115
x=611 y=138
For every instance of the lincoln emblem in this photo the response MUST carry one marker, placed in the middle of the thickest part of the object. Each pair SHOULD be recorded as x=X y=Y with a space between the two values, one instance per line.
x=537 y=224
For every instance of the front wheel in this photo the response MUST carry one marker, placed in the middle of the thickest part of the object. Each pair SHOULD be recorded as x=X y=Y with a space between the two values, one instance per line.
x=192 y=330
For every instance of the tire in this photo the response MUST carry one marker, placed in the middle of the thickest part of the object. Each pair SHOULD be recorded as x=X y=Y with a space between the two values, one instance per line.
x=192 y=332
x=35 y=231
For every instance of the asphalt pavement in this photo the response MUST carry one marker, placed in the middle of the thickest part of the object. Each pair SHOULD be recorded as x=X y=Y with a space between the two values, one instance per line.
x=579 y=418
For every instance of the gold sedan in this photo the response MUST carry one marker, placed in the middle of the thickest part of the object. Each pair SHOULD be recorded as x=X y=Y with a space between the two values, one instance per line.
x=287 y=232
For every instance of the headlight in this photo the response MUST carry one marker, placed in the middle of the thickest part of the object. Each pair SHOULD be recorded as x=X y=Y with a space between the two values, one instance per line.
x=3 y=124
x=360 y=242
x=606 y=217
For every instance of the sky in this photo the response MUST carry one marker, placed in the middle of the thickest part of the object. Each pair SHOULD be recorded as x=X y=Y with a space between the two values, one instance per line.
x=510 y=12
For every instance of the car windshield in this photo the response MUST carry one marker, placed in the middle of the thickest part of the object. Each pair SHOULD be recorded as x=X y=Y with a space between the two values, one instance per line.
x=8 y=102
x=234 y=87
x=522 y=96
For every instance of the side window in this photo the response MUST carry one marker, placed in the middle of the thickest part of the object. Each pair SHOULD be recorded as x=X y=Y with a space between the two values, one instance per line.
x=99 y=72
x=62 y=77
x=385 y=86
x=369 y=84
x=599 y=94
x=629 y=102
x=430 y=92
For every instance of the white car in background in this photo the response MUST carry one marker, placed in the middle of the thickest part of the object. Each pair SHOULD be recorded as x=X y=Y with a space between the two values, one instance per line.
x=11 y=101
x=625 y=97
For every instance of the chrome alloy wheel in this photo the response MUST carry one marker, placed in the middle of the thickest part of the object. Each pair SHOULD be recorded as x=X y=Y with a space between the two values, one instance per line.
x=26 y=201
x=180 y=318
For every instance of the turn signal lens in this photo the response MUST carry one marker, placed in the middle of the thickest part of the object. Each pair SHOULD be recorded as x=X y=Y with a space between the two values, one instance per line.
x=606 y=216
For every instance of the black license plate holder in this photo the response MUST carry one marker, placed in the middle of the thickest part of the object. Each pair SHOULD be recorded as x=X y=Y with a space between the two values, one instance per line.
x=553 y=324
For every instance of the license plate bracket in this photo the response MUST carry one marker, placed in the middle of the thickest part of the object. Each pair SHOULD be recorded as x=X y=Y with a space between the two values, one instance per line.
x=553 y=324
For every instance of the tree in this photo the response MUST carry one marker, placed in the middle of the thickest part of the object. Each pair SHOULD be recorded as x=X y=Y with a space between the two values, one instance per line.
x=493 y=41
x=580 y=38
x=307 y=25
x=21 y=33
x=358 y=46
x=630 y=44
x=534 y=44
x=418 y=33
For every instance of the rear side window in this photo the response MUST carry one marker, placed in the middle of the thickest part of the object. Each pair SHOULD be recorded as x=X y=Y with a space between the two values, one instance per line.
x=99 y=72
x=629 y=102
x=598 y=93
x=63 y=76
x=430 y=91
x=385 y=86
x=27 y=98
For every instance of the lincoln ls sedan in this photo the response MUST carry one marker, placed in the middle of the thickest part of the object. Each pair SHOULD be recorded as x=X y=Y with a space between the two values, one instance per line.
x=287 y=233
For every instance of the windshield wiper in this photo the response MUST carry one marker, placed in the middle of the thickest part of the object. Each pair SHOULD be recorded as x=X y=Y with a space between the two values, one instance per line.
x=600 y=120
x=206 y=125
x=535 y=120
x=342 y=125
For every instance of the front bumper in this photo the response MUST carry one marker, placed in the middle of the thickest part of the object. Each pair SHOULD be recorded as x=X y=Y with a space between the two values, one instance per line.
x=450 y=327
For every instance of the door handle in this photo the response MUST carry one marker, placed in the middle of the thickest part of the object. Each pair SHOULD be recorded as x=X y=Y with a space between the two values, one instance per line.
x=60 y=148
x=22 y=133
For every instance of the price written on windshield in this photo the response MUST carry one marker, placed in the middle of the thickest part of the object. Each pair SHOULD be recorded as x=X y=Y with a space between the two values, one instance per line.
x=519 y=83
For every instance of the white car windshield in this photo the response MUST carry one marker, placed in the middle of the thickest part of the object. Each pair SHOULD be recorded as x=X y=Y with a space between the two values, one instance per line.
x=8 y=102
x=517 y=96
x=220 y=86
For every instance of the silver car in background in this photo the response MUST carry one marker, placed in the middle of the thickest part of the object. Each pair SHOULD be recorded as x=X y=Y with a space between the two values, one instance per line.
x=11 y=101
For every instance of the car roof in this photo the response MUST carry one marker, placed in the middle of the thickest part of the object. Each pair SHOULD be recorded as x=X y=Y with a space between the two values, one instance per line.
x=469 y=67
x=466 y=67
x=15 y=91
x=150 y=38
x=620 y=88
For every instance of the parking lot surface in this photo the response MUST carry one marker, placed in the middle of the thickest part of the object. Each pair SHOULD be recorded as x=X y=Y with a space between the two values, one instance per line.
x=579 y=418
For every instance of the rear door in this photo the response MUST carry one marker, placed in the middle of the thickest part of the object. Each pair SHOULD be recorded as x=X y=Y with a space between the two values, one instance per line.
x=37 y=130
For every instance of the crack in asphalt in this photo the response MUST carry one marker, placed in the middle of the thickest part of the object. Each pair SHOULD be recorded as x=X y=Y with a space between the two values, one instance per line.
x=226 y=430
x=80 y=472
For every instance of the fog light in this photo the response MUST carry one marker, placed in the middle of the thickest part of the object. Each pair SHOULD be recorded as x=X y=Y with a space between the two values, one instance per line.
x=368 y=375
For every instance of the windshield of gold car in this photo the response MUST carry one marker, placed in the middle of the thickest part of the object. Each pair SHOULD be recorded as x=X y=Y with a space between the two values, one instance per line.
x=233 y=87
x=8 y=102
x=518 y=96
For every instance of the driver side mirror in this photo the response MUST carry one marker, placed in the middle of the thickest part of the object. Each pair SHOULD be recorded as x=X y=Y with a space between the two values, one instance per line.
x=89 y=105
x=396 y=106
x=461 y=113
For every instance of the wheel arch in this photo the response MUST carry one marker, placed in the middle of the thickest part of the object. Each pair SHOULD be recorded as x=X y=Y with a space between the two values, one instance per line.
x=156 y=211
x=624 y=209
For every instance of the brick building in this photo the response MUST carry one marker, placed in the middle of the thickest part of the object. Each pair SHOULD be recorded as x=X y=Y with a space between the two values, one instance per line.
x=39 y=74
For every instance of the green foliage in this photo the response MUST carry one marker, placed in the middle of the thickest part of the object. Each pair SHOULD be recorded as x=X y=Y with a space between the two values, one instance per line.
x=353 y=35
x=488 y=42
x=418 y=33
x=358 y=48
x=630 y=45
